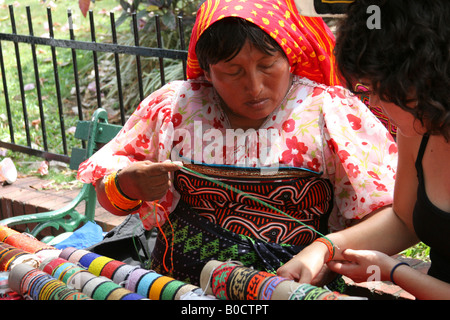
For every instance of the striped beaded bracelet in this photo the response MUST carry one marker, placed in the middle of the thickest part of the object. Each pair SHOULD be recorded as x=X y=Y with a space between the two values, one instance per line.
x=329 y=245
x=117 y=198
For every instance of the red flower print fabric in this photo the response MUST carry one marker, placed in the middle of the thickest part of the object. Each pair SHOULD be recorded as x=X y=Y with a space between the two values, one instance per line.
x=318 y=128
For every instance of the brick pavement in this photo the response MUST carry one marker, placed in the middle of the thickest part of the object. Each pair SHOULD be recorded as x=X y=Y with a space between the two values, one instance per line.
x=27 y=195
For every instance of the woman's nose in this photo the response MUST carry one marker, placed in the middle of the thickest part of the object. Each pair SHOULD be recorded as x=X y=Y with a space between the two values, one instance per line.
x=254 y=84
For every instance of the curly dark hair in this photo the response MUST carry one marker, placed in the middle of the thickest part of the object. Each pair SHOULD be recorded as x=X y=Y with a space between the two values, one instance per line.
x=406 y=59
x=225 y=38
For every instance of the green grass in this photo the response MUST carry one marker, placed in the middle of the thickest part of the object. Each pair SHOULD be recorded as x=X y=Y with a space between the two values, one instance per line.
x=101 y=8
x=54 y=129
x=59 y=176
x=420 y=251
x=46 y=72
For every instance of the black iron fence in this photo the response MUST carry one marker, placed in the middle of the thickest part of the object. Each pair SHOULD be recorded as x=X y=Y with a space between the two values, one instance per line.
x=75 y=46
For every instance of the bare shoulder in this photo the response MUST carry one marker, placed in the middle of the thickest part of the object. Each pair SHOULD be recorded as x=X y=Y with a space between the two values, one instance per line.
x=406 y=181
x=408 y=146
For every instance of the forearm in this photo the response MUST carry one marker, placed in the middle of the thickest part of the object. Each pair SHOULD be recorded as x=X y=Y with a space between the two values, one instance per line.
x=104 y=201
x=420 y=285
x=359 y=266
x=384 y=232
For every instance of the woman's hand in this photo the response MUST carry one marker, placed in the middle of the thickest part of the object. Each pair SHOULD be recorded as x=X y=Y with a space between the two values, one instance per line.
x=146 y=180
x=364 y=265
x=308 y=266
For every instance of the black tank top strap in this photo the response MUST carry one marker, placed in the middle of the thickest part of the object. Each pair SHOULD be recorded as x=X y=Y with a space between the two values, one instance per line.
x=423 y=146
x=431 y=224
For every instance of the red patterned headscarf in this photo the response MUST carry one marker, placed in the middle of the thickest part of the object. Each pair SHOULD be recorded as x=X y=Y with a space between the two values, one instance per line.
x=307 y=41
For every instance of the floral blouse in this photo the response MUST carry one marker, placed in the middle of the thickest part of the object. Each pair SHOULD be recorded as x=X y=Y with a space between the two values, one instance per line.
x=323 y=129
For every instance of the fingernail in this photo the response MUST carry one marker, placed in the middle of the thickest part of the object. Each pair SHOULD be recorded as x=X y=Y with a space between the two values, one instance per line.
x=178 y=163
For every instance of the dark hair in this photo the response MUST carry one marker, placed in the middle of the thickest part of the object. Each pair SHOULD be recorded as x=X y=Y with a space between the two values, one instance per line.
x=406 y=58
x=225 y=38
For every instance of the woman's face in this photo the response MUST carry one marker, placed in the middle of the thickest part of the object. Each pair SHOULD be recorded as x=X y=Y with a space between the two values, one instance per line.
x=252 y=85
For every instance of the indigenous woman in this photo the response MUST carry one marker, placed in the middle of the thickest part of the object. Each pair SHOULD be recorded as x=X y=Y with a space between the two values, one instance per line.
x=274 y=152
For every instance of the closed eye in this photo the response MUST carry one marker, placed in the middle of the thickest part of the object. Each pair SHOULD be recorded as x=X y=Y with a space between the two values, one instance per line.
x=267 y=66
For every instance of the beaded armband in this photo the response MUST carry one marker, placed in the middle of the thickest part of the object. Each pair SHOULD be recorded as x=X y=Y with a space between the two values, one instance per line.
x=329 y=245
x=117 y=198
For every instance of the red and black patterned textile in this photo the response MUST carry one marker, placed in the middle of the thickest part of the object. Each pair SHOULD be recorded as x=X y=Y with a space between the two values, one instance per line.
x=308 y=199
x=211 y=222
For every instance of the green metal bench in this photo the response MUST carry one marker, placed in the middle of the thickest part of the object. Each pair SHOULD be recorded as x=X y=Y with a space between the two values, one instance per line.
x=96 y=132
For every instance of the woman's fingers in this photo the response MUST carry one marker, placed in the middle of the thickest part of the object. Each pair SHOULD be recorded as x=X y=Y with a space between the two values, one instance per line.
x=147 y=180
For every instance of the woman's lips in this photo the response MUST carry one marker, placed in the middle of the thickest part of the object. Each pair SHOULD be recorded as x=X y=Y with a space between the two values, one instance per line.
x=257 y=104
